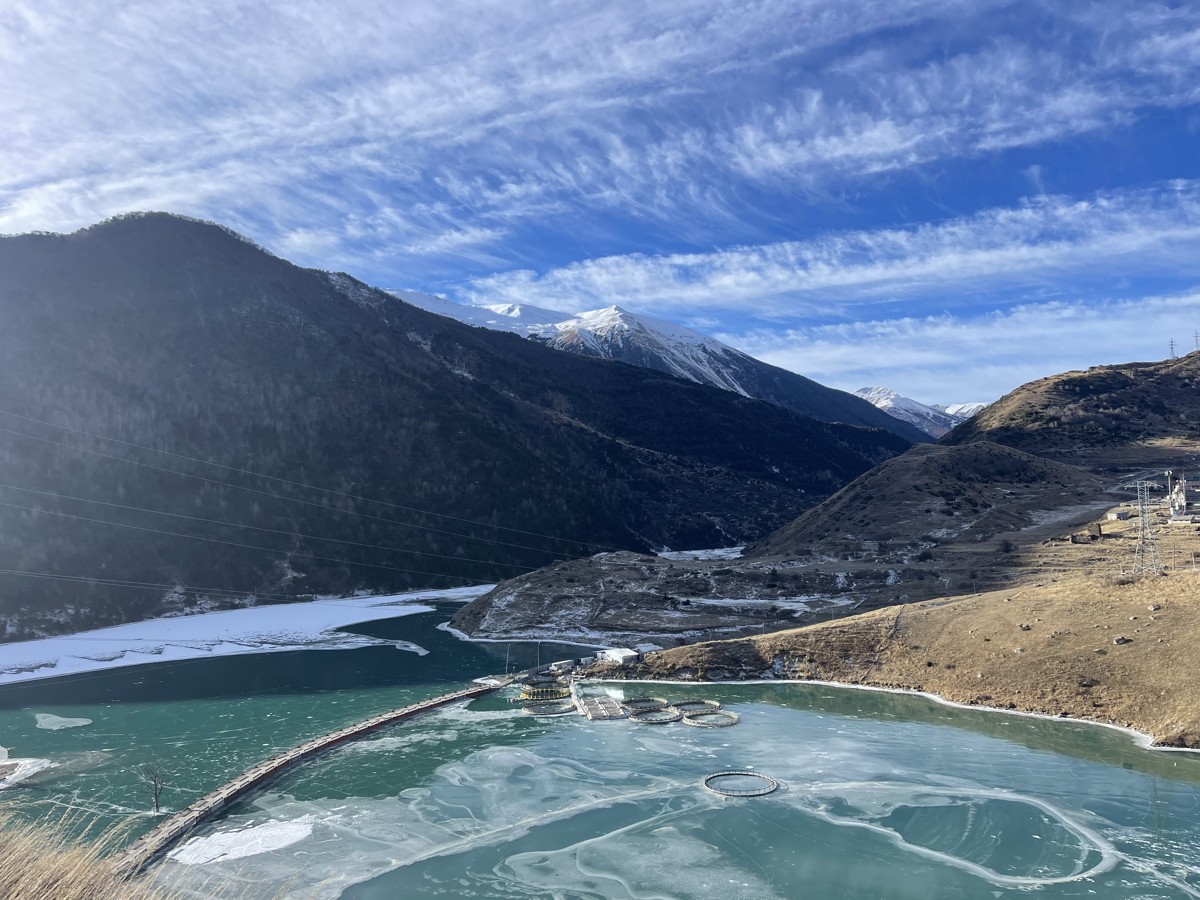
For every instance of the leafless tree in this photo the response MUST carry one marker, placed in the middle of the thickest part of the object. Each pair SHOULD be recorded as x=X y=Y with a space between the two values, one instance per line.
x=152 y=775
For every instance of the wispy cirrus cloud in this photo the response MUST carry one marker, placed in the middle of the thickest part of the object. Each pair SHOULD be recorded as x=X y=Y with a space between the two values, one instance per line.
x=950 y=358
x=769 y=170
x=446 y=134
x=1045 y=243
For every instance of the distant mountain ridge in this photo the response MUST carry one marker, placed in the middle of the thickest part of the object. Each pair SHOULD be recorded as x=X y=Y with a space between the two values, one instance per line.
x=618 y=334
x=933 y=421
x=482 y=454
x=962 y=410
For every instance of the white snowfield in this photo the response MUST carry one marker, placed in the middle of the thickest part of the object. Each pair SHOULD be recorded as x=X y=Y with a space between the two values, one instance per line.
x=259 y=629
x=964 y=410
x=686 y=353
x=934 y=421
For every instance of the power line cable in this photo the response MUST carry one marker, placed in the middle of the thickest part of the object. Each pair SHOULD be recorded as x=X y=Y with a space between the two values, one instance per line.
x=297 y=483
x=194 y=537
x=250 y=490
x=158 y=512
x=117 y=582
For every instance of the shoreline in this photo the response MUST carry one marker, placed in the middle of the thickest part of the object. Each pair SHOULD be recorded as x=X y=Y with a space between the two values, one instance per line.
x=463 y=636
x=1142 y=739
x=270 y=628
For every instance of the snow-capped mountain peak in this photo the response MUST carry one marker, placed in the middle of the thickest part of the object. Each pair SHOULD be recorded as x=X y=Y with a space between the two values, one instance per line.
x=614 y=332
x=519 y=318
x=963 y=410
x=934 y=422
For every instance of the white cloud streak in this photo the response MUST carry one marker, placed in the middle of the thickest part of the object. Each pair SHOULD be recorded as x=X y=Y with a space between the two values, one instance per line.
x=958 y=359
x=1044 y=244
x=369 y=131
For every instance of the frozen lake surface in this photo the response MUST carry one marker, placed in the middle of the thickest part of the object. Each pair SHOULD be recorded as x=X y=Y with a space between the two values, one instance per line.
x=885 y=796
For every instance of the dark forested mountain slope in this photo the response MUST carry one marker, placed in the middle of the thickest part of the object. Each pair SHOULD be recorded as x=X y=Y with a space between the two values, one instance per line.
x=174 y=334
x=618 y=334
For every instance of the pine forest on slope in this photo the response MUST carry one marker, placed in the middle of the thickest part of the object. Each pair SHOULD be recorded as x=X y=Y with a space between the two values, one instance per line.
x=177 y=335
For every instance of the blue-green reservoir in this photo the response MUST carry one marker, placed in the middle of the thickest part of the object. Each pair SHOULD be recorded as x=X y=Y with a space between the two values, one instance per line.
x=885 y=796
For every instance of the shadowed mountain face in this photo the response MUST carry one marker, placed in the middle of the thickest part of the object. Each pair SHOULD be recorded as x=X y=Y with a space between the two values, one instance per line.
x=1109 y=415
x=174 y=334
x=618 y=334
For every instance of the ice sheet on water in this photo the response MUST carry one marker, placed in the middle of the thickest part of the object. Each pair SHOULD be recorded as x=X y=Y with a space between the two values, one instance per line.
x=245 y=842
x=259 y=629
x=49 y=722
x=13 y=771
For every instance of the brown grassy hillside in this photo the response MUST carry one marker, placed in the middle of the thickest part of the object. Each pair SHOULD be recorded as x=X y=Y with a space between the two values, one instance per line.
x=934 y=494
x=1108 y=415
x=1074 y=637
x=1050 y=651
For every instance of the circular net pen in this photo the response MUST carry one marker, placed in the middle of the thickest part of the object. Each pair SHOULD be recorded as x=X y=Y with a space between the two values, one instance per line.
x=694 y=706
x=548 y=692
x=645 y=704
x=711 y=718
x=663 y=715
x=550 y=708
x=740 y=784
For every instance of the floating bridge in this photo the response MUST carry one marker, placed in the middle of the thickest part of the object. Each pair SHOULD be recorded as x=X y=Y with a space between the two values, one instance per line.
x=140 y=854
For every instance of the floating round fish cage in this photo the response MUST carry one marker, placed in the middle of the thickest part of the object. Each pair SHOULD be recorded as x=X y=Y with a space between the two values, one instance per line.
x=691 y=706
x=549 y=692
x=663 y=715
x=645 y=704
x=711 y=718
x=740 y=784
x=550 y=708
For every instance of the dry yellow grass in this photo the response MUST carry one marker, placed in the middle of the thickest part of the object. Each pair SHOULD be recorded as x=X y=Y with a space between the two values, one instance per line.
x=1073 y=637
x=42 y=862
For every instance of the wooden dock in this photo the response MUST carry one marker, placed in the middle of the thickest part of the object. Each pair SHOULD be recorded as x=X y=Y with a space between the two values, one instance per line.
x=597 y=708
x=140 y=854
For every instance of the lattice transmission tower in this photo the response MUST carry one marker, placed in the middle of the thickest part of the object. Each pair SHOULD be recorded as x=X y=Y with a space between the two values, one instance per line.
x=1145 y=557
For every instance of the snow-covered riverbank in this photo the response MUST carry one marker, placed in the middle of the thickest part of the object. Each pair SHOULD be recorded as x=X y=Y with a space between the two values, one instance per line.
x=260 y=629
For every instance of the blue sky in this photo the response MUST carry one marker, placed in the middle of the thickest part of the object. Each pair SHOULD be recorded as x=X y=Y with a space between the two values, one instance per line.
x=946 y=198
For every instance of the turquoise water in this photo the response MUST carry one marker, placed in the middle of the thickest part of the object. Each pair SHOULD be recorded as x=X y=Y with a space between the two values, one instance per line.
x=885 y=796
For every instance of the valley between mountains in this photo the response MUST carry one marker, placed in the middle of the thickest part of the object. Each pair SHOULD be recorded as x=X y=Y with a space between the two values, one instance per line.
x=194 y=424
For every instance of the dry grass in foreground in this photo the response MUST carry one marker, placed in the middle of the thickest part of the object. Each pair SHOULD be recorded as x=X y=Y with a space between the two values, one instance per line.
x=42 y=862
x=1087 y=646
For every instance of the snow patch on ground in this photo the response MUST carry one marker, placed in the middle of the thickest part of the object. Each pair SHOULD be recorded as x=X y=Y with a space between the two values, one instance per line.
x=801 y=603
x=48 y=722
x=719 y=553
x=260 y=629
x=1063 y=513
x=244 y=842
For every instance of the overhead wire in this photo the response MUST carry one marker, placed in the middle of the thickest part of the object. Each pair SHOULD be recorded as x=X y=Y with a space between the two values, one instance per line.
x=261 y=493
x=147 y=585
x=299 y=484
x=158 y=512
x=194 y=537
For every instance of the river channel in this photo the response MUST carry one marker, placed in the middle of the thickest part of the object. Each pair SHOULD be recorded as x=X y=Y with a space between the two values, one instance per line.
x=882 y=795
